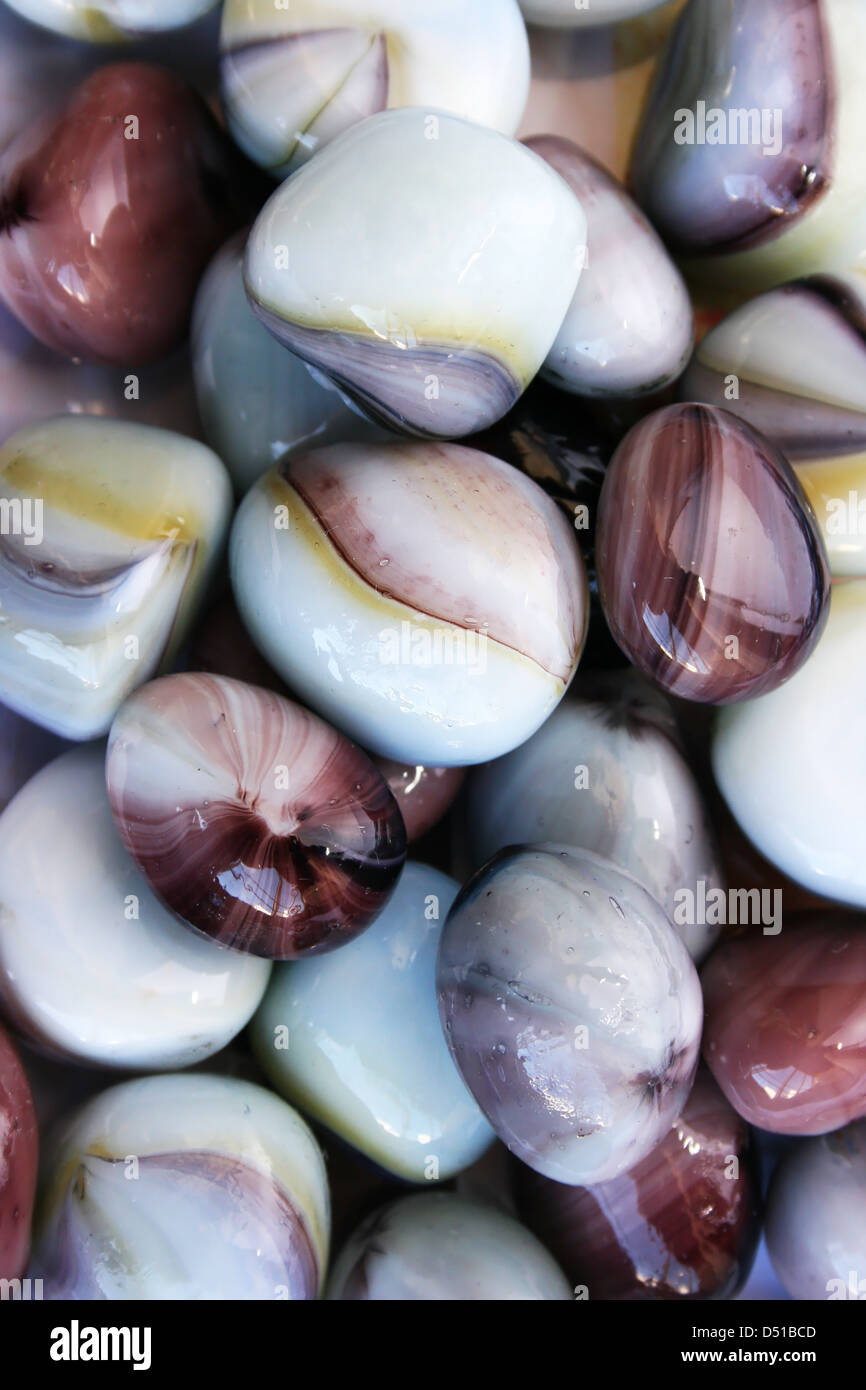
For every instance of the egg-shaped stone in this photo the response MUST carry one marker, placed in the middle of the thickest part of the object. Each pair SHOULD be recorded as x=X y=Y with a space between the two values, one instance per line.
x=605 y=773
x=683 y=1224
x=254 y=821
x=712 y=572
x=792 y=363
x=816 y=1217
x=436 y=318
x=19 y=1144
x=785 y=1030
x=792 y=765
x=258 y=401
x=111 y=21
x=355 y=1041
x=92 y=967
x=111 y=532
x=440 y=1247
x=110 y=210
x=573 y=14
x=629 y=328
x=748 y=158
x=295 y=77
x=572 y=1009
x=427 y=599
x=183 y=1188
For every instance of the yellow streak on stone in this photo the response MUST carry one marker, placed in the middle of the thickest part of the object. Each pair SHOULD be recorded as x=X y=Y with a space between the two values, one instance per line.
x=98 y=502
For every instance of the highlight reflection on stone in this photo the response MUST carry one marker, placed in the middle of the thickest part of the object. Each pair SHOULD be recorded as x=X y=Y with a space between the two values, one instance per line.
x=355 y=1041
x=18 y=1161
x=438 y=1247
x=785 y=1033
x=258 y=824
x=116 y=529
x=92 y=967
x=629 y=328
x=428 y=599
x=111 y=21
x=712 y=571
x=432 y=321
x=105 y=225
x=792 y=765
x=749 y=155
x=258 y=401
x=816 y=1216
x=295 y=77
x=572 y=1009
x=183 y=1188
x=683 y=1224
x=605 y=773
x=792 y=363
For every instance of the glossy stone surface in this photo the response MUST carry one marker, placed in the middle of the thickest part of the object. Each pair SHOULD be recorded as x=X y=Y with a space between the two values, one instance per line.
x=816 y=1217
x=572 y=1009
x=295 y=77
x=785 y=1032
x=792 y=363
x=424 y=794
x=183 y=1188
x=111 y=21
x=712 y=572
x=629 y=328
x=683 y=1224
x=605 y=773
x=792 y=765
x=37 y=384
x=110 y=276
x=424 y=319
x=355 y=1041
x=116 y=531
x=428 y=599
x=566 y=14
x=19 y=1144
x=763 y=179
x=258 y=401
x=92 y=967
x=438 y=1247
x=257 y=823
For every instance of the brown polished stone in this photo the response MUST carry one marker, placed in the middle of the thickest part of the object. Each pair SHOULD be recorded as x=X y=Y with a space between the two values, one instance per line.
x=711 y=569
x=785 y=1023
x=109 y=211
x=683 y=1224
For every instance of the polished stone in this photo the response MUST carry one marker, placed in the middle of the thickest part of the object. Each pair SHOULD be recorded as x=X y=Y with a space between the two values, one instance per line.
x=572 y=1009
x=258 y=824
x=354 y=1040
x=109 y=212
x=785 y=1030
x=712 y=571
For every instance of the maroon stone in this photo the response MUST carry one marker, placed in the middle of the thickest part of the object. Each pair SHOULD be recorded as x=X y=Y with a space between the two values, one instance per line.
x=109 y=211
x=18 y=1157
x=683 y=1224
x=711 y=568
x=785 y=1023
